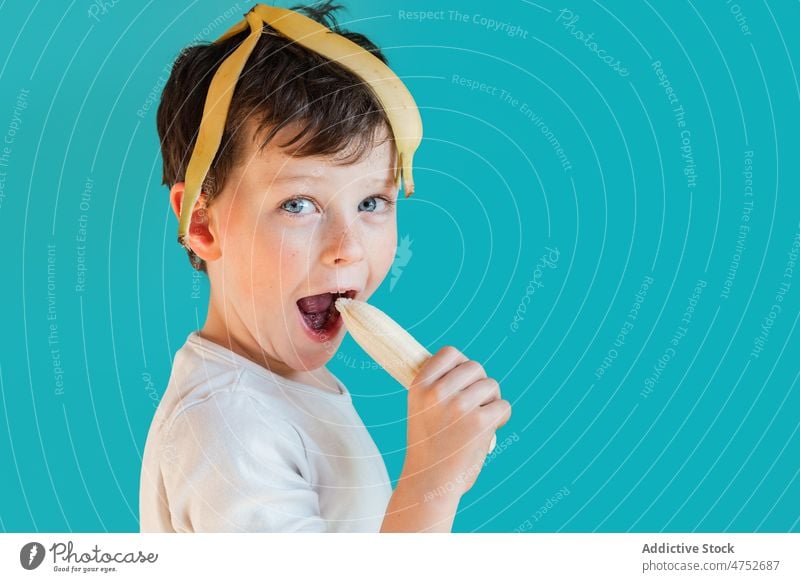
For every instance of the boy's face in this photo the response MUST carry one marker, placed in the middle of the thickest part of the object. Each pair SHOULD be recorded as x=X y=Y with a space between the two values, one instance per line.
x=288 y=228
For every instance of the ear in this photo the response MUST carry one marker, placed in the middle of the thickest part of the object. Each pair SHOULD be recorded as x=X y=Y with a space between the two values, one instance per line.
x=201 y=237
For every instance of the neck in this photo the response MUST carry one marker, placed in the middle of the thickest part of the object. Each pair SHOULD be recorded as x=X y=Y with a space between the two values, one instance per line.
x=227 y=329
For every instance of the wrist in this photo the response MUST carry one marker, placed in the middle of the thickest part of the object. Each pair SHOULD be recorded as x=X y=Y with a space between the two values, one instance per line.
x=414 y=507
x=419 y=487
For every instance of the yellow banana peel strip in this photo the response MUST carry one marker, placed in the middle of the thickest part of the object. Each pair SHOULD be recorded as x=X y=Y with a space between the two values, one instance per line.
x=395 y=98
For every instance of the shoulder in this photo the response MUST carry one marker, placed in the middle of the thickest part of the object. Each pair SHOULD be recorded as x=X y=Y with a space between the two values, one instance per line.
x=231 y=430
x=234 y=411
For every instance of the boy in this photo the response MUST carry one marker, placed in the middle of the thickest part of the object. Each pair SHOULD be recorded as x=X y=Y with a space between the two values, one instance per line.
x=253 y=433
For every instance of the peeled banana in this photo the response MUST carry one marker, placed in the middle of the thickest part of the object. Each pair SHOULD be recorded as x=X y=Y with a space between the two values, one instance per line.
x=396 y=100
x=391 y=346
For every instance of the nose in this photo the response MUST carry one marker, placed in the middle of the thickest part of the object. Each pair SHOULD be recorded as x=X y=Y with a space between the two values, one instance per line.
x=342 y=244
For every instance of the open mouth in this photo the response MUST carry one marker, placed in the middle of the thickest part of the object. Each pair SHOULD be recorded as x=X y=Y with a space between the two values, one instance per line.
x=319 y=311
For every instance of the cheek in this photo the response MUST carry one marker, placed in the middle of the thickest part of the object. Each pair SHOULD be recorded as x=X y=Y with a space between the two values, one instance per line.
x=387 y=241
x=389 y=250
x=267 y=258
x=271 y=274
x=288 y=256
x=382 y=248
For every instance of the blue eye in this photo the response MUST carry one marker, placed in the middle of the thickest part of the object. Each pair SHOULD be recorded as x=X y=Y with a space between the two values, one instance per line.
x=387 y=203
x=294 y=206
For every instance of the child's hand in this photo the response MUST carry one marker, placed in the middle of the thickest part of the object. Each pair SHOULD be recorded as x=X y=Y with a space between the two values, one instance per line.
x=453 y=411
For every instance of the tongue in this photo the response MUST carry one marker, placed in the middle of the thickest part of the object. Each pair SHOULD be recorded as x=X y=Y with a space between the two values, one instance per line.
x=316 y=303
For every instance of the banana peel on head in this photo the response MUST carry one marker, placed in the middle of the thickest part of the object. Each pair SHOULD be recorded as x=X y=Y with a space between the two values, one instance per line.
x=394 y=97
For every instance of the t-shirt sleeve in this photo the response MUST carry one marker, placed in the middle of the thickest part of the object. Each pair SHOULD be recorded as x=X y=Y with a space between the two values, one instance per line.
x=232 y=465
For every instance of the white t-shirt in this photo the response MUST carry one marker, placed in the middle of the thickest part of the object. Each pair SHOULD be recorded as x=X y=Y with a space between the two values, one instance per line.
x=234 y=447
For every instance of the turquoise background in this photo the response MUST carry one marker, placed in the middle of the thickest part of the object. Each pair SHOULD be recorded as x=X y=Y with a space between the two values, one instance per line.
x=712 y=446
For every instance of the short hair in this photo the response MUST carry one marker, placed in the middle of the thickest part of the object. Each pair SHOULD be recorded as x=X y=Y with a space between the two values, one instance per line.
x=281 y=83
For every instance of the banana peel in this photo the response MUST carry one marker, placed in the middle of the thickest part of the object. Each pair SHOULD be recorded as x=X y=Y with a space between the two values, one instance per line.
x=393 y=95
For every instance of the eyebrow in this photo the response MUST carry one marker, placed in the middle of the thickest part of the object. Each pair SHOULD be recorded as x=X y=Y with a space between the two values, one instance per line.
x=295 y=177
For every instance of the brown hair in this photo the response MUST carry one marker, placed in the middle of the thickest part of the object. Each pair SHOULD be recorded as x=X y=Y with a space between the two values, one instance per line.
x=281 y=83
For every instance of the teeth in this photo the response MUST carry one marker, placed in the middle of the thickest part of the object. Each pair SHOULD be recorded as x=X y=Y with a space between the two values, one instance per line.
x=346 y=293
